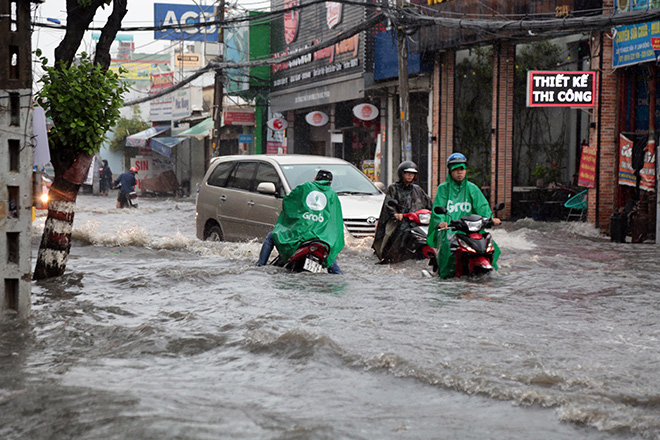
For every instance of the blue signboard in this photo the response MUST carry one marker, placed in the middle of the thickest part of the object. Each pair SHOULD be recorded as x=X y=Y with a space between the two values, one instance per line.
x=244 y=138
x=166 y=14
x=635 y=44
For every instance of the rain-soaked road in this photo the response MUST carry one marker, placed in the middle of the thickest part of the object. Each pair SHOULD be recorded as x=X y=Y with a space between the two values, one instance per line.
x=153 y=334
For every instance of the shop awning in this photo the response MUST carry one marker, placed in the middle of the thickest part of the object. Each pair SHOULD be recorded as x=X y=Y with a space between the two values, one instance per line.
x=200 y=130
x=141 y=139
x=164 y=145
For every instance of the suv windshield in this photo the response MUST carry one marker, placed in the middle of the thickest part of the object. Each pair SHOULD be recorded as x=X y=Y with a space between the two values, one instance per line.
x=346 y=178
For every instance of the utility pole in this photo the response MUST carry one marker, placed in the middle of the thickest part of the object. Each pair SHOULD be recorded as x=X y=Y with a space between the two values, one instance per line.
x=404 y=94
x=218 y=92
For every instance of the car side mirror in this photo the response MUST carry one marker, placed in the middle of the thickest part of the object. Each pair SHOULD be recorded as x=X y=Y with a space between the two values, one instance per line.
x=267 y=188
x=380 y=186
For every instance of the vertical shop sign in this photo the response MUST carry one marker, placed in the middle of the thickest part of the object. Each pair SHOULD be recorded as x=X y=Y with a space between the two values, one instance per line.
x=587 y=174
x=626 y=172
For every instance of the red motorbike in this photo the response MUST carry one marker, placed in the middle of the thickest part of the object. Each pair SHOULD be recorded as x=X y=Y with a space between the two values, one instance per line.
x=309 y=257
x=472 y=248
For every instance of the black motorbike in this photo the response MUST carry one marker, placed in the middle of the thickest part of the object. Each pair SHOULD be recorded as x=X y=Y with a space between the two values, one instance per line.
x=309 y=257
x=408 y=241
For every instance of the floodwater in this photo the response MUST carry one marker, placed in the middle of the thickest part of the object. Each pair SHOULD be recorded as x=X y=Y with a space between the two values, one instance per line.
x=153 y=334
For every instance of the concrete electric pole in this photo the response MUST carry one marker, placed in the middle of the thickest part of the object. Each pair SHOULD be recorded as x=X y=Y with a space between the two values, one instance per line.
x=404 y=94
x=218 y=90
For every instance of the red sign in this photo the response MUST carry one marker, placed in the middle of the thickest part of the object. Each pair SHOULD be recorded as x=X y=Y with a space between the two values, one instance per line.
x=275 y=148
x=626 y=172
x=365 y=112
x=333 y=13
x=587 y=174
x=277 y=124
x=291 y=21
x=239 y=118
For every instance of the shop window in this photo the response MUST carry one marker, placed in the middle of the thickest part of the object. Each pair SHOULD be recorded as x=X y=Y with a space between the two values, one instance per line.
x=14 y=17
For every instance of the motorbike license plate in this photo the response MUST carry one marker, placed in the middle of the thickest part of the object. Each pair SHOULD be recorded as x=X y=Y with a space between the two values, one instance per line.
x=312 y=266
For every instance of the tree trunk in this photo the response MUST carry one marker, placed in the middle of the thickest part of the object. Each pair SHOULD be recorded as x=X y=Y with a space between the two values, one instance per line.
x=56 y=240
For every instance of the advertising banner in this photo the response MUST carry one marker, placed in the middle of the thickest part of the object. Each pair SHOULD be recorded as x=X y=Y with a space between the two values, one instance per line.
x=166 y=14
x=161 y=108
x=587 y=173
x=634 y=44
x=647 y=173
x=626 y=172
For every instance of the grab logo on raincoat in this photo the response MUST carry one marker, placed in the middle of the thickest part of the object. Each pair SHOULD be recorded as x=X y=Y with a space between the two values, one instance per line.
x=316 y=200
x=457 y=207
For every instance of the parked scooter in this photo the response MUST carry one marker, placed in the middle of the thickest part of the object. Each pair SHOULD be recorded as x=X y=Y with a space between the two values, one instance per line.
x=473 y=250
x=309 y=257
x=408 y=241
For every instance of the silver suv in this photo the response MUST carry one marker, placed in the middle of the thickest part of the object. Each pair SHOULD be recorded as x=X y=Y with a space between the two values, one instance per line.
x=240 y=197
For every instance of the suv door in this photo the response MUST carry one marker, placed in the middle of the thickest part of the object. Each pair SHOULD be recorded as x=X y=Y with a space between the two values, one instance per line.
x=263 y=209
x=211 y=191
x=234 y=202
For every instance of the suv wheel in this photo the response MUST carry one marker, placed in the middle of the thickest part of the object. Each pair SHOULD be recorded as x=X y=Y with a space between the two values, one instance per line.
x=213 y=233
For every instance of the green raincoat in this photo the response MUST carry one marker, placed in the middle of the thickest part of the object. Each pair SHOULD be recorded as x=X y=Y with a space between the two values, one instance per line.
x=460 y=200
x=311 y=211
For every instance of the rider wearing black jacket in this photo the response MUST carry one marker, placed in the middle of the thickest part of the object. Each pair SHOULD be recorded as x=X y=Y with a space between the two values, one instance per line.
x=409 y=197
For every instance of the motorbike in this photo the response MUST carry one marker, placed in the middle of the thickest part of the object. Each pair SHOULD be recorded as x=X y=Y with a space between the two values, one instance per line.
x=473 y=250
x=130 y=199
x=409 y=242
x=309 y=257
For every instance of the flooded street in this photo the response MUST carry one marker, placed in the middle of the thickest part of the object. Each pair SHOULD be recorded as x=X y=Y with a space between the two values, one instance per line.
x=153 y=334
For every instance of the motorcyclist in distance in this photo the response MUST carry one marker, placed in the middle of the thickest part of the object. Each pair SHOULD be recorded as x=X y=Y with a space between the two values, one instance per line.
x=127 y=182
x=460 y=197
x=389 y=237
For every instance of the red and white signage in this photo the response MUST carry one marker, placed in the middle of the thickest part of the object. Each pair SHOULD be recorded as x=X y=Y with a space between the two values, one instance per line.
x=291 y=21
x=233 y=117
x=317 y=119
x=277 y=124
x=333 y=13
x=365 y=112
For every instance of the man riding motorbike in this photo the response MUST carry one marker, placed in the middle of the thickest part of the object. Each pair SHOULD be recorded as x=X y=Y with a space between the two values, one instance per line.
x=460 y=197
x=127 y=183
x=311 y=211
x=391 y=232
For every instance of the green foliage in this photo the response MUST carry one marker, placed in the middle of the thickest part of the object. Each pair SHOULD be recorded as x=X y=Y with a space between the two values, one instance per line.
x=126 y=127
x=83 y=102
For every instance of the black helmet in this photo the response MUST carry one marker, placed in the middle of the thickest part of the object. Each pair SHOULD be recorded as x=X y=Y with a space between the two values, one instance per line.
x=407 y=167
x=456 y=159
x=323 y=175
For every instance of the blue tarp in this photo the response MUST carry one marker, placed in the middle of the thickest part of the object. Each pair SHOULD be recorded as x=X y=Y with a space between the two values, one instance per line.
x=164 y=145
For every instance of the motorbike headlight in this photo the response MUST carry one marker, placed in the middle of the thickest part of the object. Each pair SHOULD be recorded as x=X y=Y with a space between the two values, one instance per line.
x=474 y=226
x=424 y=219
x=44 y=198
x=464 y=245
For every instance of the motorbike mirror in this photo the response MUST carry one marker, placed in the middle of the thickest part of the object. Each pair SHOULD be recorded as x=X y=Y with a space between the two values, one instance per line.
x=499 y=206
x=440 y=210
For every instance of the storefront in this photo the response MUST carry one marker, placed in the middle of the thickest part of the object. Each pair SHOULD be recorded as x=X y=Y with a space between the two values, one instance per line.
x=321 y=95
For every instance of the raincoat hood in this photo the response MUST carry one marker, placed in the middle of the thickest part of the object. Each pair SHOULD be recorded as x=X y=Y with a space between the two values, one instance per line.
x=311 y=211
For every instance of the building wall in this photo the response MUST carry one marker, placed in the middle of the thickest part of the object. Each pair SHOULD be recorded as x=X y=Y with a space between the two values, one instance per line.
x=16 y=163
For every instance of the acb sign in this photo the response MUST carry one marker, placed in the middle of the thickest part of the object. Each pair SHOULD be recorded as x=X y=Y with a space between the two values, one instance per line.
x=166 y=14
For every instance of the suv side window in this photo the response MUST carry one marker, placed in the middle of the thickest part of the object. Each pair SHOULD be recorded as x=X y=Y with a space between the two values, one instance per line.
x=219 y=175
x=267 y=173
x=241 y=177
